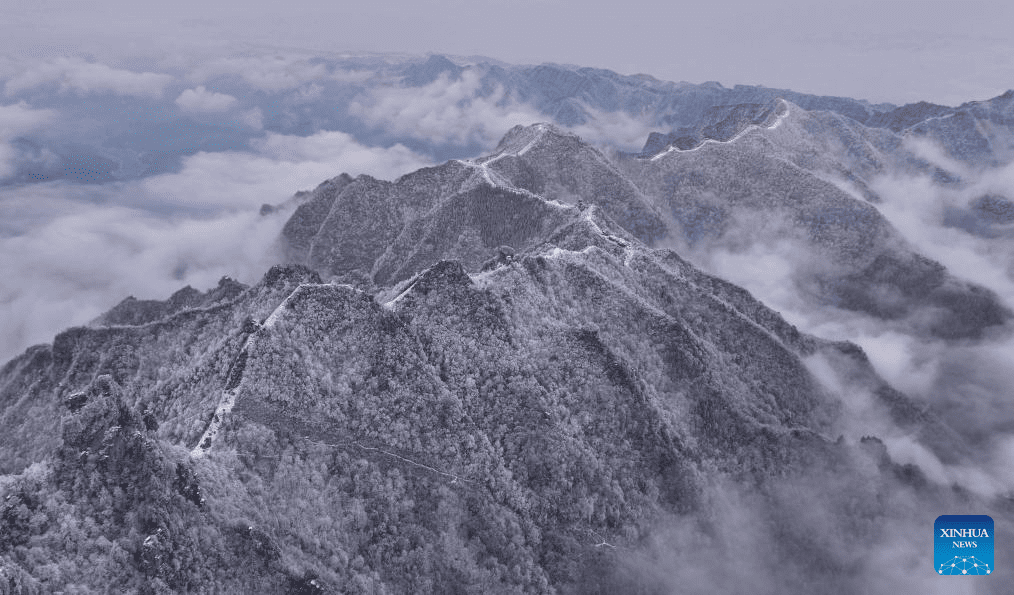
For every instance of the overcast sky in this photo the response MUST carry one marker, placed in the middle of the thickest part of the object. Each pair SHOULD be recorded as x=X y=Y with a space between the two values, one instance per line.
x=896 y=50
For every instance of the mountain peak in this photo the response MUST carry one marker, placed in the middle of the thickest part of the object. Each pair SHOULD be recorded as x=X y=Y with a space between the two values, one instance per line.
x=420 y=75
x=520 y=139
x=721 y=123
x=135 y=312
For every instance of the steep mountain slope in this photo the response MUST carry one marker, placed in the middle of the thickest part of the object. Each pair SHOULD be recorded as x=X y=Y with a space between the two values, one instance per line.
x=852 y=152
x=169 y=364
x=797 y=177
x=569 y=95
x=978 y=132
x=526 y=428
x=773 y=174
x=822 y=142
x=388 y=231
x=720 y=123
x=495 y=375
x=544 y=160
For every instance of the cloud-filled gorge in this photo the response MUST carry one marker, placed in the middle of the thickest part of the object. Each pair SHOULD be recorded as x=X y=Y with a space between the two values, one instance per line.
x=970 y=383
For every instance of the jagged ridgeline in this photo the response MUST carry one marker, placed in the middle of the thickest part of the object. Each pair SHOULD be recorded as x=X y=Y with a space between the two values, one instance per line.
x=750 y=175
x=486 y=376
x=776 y=174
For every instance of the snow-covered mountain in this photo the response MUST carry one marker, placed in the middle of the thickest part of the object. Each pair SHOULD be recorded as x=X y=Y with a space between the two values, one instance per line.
x=803 y=178
x=513 y=372
x=475 y=431
x=240 y=98
x=769 y=178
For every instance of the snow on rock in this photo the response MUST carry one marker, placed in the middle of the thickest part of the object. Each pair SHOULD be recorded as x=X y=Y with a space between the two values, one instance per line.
x=783 y=106
x=234 y=381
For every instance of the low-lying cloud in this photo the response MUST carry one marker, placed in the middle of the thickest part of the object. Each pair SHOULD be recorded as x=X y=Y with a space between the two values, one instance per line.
x=444 y=111
x=200 y=99
x=618 y=129
x=75 y=266
x=82 y=77
x=821 y=531
x=279 y=165
x=969 y=384
x=71 y=252
x=460 y=111
x=15 y=120
x=276 y=72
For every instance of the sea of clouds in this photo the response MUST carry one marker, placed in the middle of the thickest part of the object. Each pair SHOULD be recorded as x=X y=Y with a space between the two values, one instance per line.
x=968 y=383
x=138 y=177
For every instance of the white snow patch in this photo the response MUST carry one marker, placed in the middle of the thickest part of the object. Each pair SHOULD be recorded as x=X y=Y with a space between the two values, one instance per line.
x=486 y=174
x=273 y=317
x=562 y=253
x=668 y=150
x=542 y=131
x=228 y=399
x=225 y=405
x=390 y=303
x=778 y=122
x=496 y=180
x=588 y=218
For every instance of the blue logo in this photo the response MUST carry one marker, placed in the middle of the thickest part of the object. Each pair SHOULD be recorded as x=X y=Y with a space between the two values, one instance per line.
x=963 y=544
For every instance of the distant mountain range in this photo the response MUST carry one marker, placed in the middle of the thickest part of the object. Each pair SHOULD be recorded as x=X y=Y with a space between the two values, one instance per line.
x=133 y=137
x=499 y=374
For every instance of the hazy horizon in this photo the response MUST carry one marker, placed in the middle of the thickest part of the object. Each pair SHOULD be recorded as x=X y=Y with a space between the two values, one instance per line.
x=899 y=51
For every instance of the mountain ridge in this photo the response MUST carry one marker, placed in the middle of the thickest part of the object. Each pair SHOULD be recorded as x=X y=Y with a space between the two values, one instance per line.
x=498 y=375
x=584 y=295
